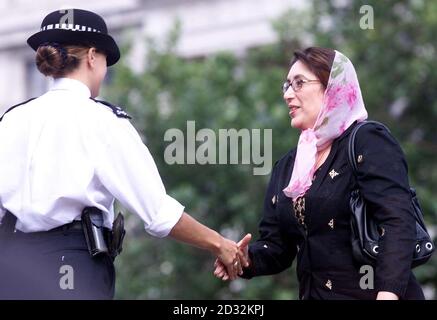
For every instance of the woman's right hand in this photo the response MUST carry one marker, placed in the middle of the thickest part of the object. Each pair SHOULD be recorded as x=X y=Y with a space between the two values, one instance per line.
x=222 y=271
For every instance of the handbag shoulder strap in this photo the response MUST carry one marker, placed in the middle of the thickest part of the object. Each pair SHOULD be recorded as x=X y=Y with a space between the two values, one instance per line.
x=351 y=144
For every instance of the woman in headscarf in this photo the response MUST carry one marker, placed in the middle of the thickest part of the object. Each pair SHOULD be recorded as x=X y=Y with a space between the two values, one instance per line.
x=306 y=208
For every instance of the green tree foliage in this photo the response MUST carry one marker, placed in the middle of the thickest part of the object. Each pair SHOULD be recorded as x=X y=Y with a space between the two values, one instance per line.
x=224 y=91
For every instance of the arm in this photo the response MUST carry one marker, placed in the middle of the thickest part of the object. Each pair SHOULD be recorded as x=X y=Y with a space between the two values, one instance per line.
x=274 y=251
x=125 y=167
x=191 y=231
x=383 y=182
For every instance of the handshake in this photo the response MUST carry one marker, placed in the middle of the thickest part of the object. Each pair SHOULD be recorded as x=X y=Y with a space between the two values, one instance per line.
x=230 y=264
x=231 y=257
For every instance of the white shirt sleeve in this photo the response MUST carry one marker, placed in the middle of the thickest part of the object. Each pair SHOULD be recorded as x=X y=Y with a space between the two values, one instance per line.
x=125 y=167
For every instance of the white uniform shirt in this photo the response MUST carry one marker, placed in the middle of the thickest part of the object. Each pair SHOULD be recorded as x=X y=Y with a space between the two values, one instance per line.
x=63 y=151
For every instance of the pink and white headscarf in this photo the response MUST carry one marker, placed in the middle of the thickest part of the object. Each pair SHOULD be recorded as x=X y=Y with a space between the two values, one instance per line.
x=342 y=105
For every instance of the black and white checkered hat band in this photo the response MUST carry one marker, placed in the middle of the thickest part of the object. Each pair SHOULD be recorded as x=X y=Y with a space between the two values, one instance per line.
x=72 y=27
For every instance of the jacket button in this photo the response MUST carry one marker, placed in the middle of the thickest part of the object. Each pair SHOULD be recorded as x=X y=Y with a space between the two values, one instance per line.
x=328 y=284
x=331 y=223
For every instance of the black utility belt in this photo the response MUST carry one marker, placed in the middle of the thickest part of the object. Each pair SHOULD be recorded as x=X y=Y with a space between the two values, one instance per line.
x=75 y=225
x=99 y=239
x=10 y=229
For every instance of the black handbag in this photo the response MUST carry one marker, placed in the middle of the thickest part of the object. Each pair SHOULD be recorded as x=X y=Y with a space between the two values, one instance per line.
x=365 y=231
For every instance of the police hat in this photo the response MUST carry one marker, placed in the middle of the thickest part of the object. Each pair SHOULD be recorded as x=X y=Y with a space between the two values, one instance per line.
x=76 y=26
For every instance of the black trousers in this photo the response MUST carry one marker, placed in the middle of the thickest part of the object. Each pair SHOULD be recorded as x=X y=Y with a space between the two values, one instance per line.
x=53 y=265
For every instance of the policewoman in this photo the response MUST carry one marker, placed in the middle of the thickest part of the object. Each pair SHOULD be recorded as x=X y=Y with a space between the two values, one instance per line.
x=64 y=153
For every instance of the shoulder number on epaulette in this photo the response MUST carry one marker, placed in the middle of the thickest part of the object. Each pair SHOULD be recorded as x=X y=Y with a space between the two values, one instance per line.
x=118 y=111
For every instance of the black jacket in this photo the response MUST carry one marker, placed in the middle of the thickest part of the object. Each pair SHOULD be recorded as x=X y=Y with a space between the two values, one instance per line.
x=325 y=266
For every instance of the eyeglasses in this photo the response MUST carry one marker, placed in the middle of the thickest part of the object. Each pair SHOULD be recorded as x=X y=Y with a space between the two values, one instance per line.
x=296 y=84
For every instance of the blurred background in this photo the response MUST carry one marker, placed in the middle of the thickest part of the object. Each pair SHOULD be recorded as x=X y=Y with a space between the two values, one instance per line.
x=222 y=64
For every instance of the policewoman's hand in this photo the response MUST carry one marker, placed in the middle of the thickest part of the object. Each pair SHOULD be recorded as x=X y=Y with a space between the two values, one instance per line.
x=190 y=231
x=228 y=256
x=244 y=261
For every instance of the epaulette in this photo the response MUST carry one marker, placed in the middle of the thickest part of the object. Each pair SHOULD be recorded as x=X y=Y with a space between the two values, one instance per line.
x=118 y=111
x=17 y=105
